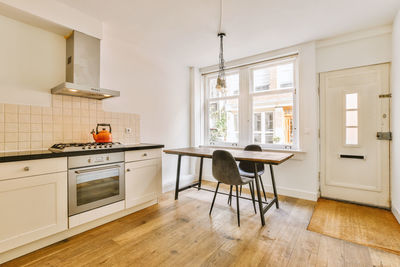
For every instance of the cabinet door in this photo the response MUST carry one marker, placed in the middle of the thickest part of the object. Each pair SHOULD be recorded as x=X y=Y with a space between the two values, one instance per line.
x=32 y=208
x=142 y=181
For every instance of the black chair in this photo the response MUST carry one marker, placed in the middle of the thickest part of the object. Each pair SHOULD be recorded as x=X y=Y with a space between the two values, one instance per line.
x=246 y=168
x=225 y=170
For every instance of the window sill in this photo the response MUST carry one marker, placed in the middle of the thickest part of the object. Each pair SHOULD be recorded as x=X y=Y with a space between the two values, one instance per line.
x=294 y=151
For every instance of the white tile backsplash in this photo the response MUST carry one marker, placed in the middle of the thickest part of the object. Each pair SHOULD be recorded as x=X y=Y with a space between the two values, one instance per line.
x=68 y=119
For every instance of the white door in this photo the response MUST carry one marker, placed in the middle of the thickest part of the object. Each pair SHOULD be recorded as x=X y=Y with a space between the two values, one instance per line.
x=355 y=105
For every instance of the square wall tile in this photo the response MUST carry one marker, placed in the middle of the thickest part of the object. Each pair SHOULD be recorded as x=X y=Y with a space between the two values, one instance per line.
x=11 y=117
x=10 y=108
x=36 y=145
x=47 y=111
x=24 y=137
x=24 y=118
x=24 y=146
x=36 y=137
x=11 y=127
x=36 y=110
x=24 y=127
x=36 y=128
x=10 y=137
x=35 y=118
x=11 y=146
x=47 y=127
x=24 y=109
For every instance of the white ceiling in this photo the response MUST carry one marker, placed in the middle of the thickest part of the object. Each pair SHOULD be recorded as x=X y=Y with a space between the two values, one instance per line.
x=186 y=29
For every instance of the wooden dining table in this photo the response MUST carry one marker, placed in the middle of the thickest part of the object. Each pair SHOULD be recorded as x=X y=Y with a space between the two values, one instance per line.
x=269 y=158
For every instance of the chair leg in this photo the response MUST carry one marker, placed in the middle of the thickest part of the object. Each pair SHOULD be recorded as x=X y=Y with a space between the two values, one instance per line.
x=262 y=186
x=230 y=196
x=215 y=195
x=251 y=185
x=240 y=190
x=237 y=203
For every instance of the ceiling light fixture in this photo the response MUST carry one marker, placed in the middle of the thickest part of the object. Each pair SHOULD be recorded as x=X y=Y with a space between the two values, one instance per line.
x=221 y=81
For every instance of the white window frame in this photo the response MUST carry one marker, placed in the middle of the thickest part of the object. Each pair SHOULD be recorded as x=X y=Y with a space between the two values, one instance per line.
x=207 y=101
x=245 y=99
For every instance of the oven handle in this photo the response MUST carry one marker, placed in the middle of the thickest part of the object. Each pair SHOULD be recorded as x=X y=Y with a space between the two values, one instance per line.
x=98 y=169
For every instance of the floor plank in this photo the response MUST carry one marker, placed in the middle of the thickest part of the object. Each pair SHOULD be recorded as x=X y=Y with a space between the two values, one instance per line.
x=181 y=233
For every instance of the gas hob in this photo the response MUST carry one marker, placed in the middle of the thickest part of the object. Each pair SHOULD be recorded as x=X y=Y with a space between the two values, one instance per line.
x=71 y=147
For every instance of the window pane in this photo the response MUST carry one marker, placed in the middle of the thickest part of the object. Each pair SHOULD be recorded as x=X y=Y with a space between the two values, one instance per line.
x=351 y=101
x=274 y=77
x=277 y=115
x=285 y=75
x=232 y=86
x=351 y=136
x=262 y=79
x=224 y=121
x=352 y=118
x=257 y=122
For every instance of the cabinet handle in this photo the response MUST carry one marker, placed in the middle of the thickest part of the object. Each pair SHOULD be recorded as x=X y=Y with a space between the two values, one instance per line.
x=145 y=155
x=26 y=169
x=128 y=170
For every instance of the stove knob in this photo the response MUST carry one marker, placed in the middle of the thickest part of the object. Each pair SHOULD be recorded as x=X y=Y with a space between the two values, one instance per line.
x=89 y=147
x=83 y=147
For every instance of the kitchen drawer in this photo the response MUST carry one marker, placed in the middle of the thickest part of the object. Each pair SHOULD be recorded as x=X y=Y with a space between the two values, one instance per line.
x=142 y=154
x=27 y=168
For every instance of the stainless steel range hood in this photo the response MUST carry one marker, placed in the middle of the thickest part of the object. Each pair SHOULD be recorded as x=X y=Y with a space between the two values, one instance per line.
x=83 y=69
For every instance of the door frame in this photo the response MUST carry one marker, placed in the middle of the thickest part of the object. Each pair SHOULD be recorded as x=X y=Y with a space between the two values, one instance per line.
x=321 y=135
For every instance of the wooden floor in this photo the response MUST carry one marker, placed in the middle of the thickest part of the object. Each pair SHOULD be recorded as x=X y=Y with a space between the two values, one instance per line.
x=180 y=233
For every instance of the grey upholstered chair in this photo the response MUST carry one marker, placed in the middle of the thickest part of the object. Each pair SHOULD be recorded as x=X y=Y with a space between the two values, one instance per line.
x=225 y=170
x=246 y=168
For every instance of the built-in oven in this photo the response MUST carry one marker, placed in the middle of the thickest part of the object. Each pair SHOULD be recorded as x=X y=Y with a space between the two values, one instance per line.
x=95 y=180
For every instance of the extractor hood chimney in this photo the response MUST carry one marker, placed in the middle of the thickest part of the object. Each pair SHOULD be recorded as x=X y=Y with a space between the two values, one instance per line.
x=83 y=69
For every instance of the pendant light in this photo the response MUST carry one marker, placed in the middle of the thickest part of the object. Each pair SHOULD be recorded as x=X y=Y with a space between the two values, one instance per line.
x=221 y=81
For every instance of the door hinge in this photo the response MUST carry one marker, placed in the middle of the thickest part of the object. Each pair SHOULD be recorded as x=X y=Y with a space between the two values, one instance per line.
x=385 y=95
x=384 y=135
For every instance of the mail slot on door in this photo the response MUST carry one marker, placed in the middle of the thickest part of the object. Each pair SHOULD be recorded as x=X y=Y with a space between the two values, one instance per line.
x=384 y=135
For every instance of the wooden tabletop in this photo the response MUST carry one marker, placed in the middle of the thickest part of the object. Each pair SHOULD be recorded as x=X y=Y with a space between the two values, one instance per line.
x=274 y=158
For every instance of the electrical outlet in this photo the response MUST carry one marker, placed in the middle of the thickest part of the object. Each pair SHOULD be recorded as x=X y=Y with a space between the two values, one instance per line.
x=128 y=130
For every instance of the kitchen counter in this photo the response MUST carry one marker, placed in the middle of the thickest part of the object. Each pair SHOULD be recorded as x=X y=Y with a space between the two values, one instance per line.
x=45 y=154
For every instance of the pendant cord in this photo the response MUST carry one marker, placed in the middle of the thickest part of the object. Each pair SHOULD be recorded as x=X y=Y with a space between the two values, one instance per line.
x=220 y=16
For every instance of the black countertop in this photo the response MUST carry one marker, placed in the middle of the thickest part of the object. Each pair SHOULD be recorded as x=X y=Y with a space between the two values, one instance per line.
x=46 y=154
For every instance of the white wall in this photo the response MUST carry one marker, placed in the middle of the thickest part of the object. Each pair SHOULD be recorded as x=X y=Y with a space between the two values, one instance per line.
x=32 y=61
x=395 y=182
x=154 y=86
x=368 y=47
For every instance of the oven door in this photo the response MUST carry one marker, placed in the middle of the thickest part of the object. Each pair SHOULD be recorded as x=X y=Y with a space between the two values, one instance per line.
x=93 y=187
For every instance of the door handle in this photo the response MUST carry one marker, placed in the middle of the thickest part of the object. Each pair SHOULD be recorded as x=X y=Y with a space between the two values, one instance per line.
x=98 y=169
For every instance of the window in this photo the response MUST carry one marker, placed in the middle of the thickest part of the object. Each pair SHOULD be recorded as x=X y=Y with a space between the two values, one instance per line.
x=259 y=106
x=351 y=119
x=223 y=110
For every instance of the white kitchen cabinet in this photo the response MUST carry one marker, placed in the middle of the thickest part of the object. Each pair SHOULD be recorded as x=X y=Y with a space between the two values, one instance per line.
x=32 y=208
x=142 y=181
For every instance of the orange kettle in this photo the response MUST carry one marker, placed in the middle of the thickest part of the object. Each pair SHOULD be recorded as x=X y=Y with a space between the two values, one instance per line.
x=103 y=136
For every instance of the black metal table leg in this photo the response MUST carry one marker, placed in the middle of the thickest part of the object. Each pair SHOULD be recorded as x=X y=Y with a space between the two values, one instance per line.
x=200 y=172
x=178 y=173
x=273 y=186
x=259 y=194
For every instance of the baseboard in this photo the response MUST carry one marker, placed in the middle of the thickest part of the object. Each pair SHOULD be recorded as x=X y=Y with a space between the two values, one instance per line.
x=396 y=213
x=284 y=191
x=183 y=181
